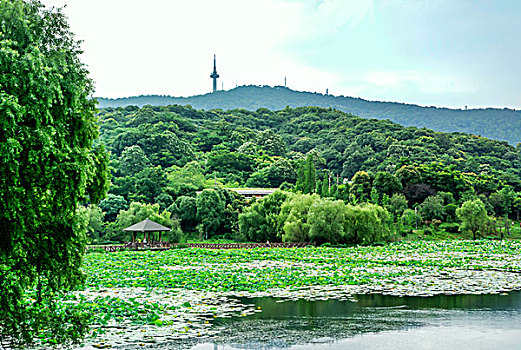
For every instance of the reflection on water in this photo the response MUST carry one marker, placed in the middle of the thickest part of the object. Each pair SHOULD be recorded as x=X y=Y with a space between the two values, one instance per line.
x=272 y=309
x=376 y=322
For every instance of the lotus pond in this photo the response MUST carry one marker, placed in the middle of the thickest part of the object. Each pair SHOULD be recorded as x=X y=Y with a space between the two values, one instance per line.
x=183 y=295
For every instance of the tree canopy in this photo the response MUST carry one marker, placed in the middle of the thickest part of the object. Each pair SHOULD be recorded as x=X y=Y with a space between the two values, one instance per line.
x=307 y=149
x=49 y=166
x=236 y=148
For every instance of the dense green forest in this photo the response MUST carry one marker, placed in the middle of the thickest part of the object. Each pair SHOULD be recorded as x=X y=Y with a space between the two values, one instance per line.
x=499 y=124
x=162 y=156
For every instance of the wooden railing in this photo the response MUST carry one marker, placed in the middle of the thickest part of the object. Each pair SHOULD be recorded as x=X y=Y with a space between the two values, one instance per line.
x=107 y=248
x=166 y=246
x=246 y=245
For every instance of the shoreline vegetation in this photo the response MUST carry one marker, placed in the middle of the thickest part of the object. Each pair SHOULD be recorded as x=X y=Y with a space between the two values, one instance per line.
x=141 y=297
x=176 y=165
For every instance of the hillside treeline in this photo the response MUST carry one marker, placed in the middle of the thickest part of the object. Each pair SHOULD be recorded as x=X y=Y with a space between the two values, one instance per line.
x=162 y=156
x=494 y=123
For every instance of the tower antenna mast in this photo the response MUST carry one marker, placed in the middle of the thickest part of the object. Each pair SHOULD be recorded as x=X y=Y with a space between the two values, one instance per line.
x=214 y=75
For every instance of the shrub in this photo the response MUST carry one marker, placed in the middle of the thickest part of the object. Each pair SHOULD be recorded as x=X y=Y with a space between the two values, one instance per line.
x=451 y=227
x=176 y=235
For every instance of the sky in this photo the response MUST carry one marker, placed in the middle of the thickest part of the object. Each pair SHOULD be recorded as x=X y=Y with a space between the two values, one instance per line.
x=447 y=53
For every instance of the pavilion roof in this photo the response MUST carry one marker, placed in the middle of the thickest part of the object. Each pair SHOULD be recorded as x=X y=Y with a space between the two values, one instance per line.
x=147 y=226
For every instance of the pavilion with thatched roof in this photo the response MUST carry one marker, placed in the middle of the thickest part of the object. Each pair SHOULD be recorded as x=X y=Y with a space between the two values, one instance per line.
x=146 y=226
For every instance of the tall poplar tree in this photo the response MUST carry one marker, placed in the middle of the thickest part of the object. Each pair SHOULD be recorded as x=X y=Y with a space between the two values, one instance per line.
x=310 y=181
x=48 y=167
x=324 y=192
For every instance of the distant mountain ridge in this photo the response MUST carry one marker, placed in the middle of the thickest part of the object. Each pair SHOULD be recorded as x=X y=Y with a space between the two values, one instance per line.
x=499 y=124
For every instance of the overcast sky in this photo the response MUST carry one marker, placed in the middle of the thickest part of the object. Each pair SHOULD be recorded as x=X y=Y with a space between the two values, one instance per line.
x=434 y=52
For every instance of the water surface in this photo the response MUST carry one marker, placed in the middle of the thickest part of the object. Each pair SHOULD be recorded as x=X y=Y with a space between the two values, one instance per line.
x=375 y=322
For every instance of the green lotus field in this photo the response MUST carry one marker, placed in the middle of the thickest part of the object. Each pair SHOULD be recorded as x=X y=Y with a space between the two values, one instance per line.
x=146 y=297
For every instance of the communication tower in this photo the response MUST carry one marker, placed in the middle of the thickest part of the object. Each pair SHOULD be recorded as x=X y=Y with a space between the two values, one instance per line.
x=214 y=75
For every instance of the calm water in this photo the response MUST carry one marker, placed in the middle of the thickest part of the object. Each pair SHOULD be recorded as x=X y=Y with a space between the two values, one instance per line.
x=376 y=322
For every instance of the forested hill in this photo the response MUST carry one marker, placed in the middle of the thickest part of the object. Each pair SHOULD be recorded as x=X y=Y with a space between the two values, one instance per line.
x=265 y=149
x=500 y=124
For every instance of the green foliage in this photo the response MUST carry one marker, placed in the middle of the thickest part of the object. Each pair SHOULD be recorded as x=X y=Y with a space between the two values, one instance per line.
x=445 y=178
x=239 y=147
x=132 y=161
x=361 y=186
x=473 y=217
x=413 y=168
x=185 y=209
x=342 y=192
x=503 y=201
x=327 y=220
x=176 y=235
x=210 y=211
x=112 y=205
x=446 y=197
x=366 y=224
x=293 y=217
x=516 y=207
x=162 y=145
x=164 y=200
x=234 y=205
x=306 y=181
x=503 y=124
x=259 y=222
x=397 y=204
x=144 y=186
x=324 y=190
x=271 y=142
x=408 y=175
x=48 y=165
x=387 y=183
x=149 y=184
x=309 y=217
x=138 y=212
x=411 y=219
x=274 y=175
x=450 y=212
x=98 y=174
x=93 y=220
x=231 y=166
x=190 y=175
x=432 y=208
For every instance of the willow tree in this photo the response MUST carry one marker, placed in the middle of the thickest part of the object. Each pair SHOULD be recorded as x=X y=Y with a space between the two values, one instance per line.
x=49 y=165
x=473 y=216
